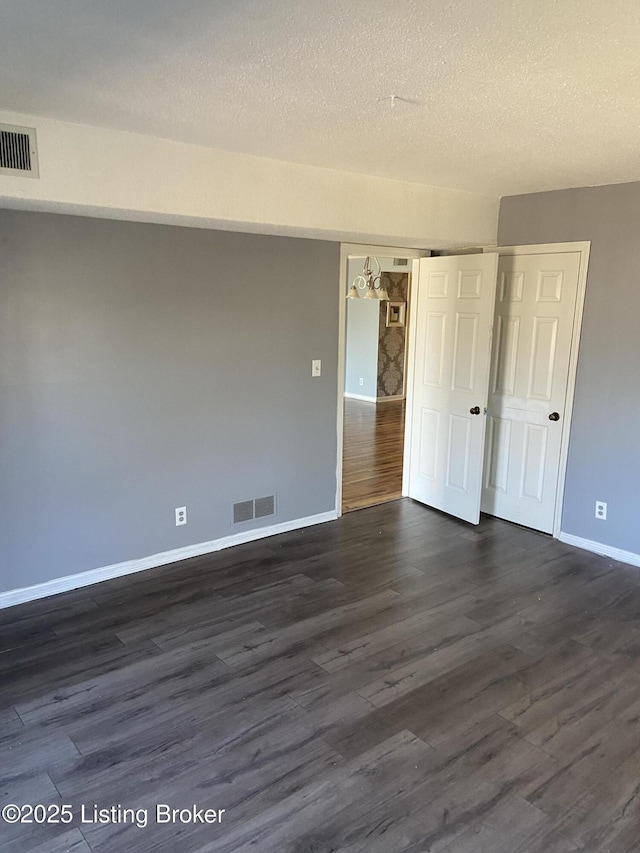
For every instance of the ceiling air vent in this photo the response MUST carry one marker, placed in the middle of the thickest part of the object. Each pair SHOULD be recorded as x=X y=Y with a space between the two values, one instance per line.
x=18 y=151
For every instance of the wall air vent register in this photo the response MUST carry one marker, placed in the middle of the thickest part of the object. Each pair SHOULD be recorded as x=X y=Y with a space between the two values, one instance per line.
x=257 y=508
x=18 y=151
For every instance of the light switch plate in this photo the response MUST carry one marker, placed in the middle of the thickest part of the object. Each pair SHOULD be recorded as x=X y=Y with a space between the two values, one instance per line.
x=316 y=367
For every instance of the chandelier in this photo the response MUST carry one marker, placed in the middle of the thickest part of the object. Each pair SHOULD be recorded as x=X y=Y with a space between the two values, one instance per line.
x=369 y=282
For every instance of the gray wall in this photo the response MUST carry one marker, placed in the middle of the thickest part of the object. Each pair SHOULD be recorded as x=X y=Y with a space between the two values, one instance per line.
x=145 y=367
x=361 y=347
x=604 y=453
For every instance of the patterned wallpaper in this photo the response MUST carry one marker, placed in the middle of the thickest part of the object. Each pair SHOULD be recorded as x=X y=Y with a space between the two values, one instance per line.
x=391 y=340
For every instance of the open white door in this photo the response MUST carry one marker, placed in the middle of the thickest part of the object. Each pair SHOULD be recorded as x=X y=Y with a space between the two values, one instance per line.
x=445 y=431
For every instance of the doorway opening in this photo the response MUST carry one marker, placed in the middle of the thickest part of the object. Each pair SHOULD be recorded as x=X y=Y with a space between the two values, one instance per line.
x=374 y=393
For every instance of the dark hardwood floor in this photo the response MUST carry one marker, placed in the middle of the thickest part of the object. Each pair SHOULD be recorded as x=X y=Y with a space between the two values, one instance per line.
x=394 y=681
x=372 y=453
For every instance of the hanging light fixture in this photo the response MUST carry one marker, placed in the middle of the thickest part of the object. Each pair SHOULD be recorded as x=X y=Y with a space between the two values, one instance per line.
x=383 y=296
x=369 y=282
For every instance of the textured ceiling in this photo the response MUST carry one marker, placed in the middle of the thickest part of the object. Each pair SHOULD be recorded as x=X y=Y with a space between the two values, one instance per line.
x=501 y=96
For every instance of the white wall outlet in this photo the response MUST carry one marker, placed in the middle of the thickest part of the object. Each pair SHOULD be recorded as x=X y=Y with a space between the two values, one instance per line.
x=601 y=510
x=316 y=367
x=361 y=381
x=181 y=515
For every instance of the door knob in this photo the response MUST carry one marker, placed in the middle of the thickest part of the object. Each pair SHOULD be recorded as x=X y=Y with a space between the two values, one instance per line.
x=554 y=416
x=476 y=410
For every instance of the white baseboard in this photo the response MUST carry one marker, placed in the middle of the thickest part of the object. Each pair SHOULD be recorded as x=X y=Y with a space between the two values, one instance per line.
x=393 y=399
x=361 y=397
x=598 y=548
x=129 y=567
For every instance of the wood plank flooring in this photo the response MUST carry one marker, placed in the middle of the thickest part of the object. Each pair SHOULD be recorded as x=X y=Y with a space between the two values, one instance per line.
x=372 y=455
x=393 y=682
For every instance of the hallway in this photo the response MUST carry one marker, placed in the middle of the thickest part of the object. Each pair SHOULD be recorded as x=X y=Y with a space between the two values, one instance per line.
x=372 y=454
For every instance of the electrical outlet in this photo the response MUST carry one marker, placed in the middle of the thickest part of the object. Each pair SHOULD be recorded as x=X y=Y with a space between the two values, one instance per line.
x=361 y=381
x=601 y=510
x=316 y=367
x=181 y=515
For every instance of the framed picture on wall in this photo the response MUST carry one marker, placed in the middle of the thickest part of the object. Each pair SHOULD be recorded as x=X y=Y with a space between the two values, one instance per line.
x=396 y=312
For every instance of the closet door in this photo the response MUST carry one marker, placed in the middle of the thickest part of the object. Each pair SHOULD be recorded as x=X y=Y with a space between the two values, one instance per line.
x=535 y=307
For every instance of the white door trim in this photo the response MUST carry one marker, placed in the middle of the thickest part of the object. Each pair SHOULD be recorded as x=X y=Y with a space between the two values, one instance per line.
x=410 y=365
x=348 y=250
x=555 y=248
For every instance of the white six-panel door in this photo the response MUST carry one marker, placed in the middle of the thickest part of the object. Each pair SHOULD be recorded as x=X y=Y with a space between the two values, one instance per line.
x=535 y=305
x=450 y=379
